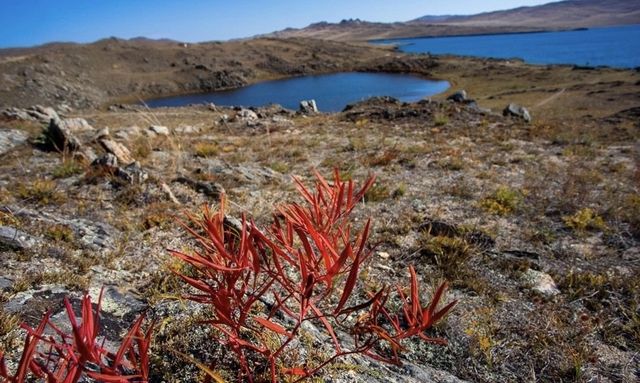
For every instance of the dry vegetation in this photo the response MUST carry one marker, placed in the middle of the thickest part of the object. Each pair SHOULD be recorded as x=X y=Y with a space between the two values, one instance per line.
x=506 y=198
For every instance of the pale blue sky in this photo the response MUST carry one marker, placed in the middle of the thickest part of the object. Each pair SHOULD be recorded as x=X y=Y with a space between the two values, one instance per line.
x=30 y=22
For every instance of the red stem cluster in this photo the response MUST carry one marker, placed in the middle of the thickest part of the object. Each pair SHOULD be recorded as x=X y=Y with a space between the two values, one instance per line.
x=303 y=268
x=58 y=357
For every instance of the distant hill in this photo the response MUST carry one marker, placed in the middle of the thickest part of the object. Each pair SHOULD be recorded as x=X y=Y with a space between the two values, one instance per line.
x=552 y=16
x=348 y=30
x=561 y=14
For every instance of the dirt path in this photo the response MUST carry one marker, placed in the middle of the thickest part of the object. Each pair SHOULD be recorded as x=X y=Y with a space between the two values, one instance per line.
x=550 y=98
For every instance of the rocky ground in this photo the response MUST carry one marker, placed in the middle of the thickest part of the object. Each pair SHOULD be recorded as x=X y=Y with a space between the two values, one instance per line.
x=535 y=225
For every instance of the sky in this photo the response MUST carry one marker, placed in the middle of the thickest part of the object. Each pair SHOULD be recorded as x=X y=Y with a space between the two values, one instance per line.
x=33 y=22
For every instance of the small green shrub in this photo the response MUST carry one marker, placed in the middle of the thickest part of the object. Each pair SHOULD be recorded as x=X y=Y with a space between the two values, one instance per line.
x=377 y=193
x=503 y=201
x=40 y=191
x=450 y=254
x=583 y=220
x=400 y=191
x=453 y=163
x=440 y=119
x=206 y=149
x=280 y=167
x=60 y=233
x=67 y=169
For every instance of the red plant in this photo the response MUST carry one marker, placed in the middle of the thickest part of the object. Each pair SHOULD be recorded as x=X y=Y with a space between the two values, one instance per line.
x=263 y=285
x=66 y=358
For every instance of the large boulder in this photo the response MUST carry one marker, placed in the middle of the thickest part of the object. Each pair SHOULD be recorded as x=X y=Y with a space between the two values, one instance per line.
x=518 y=111
x=60 y=133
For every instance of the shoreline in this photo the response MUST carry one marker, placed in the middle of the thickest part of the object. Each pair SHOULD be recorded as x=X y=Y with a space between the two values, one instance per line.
x=476 y=34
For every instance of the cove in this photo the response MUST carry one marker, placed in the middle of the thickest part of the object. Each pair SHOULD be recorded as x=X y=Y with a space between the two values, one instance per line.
x=332 y=92
x=617 y=47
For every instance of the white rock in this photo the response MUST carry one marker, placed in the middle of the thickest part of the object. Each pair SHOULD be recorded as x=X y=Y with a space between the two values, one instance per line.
x=308 y=106
x=187 y=129
x=247 y=115
x=77 y=125
x=160 y=130
x=540 y=282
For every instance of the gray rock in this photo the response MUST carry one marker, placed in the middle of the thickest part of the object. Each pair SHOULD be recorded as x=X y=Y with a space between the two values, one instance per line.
x=232 y=223
x=160 y=130
x=107 y=160
x=17 y=114
x=133 y=173
x=459 y=96
x=5 y=284
x=15 y=239
x=631 y=254
x=281 y=120
x=385 y=373
x=65 y=108
x=210 y=189
x=540 y=282
x=61 y=135
x=256 y=173
x=11 y=138
x=308 y=107
x=516 y=110
x=35 y=113
x=117 y=149
x=89 y=233
x=116 y=305
x=117 y=302
x=31 y=301
x=128 y=133
x=44 y=114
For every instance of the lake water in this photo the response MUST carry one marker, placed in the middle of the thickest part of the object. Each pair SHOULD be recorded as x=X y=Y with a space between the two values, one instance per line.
x=612 y=46
x=332 y=92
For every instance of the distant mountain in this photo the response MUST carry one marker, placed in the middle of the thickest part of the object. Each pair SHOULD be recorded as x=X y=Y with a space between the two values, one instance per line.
x=561 y=14
x=552 y=16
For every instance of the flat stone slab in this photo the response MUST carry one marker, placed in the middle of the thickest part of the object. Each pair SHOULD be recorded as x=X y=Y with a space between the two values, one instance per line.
x=15 y=239
x=10 y=138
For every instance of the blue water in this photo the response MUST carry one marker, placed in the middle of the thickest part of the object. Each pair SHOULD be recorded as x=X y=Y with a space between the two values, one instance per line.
x=332 y=92
x=611 y=46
